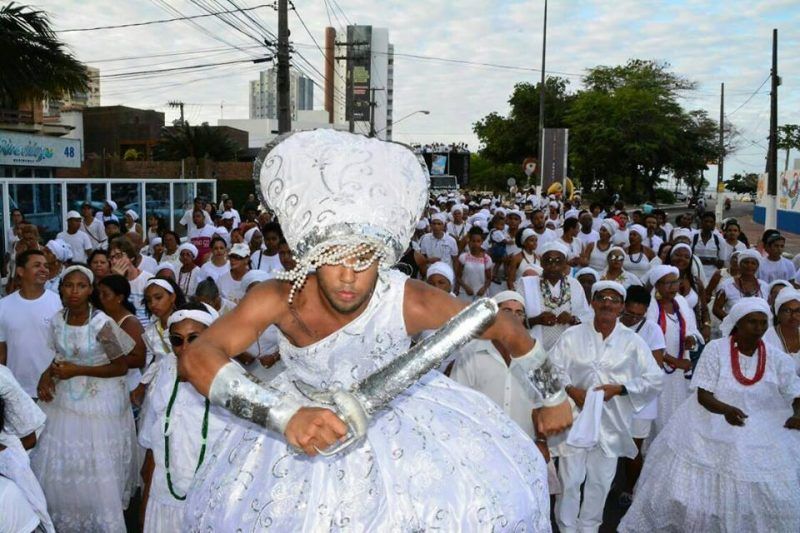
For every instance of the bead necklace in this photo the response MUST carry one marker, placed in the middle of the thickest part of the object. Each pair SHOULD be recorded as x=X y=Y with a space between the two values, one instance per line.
x=662 y=322
x=181 y=277
x=630 y=256
x=76 y=353
x=203 y=439
x=547 y=296
x=738 y=284
x=761 y=365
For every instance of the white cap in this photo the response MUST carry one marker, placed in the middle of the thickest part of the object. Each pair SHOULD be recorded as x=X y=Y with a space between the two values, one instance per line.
x=240 y=249
x=112 y=204
x=255 y=276
x=227 y=215
x=73 y=214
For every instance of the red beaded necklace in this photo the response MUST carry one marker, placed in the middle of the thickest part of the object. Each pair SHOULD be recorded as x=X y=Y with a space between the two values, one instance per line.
x=737 y=369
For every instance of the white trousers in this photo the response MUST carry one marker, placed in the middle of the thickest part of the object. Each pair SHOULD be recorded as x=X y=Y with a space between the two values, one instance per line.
x=597 y=470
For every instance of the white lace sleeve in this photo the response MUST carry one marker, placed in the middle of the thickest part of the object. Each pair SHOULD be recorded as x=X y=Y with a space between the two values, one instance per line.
x=788 y=380
x=22 y=415
x=116 y=343
x=706 y=374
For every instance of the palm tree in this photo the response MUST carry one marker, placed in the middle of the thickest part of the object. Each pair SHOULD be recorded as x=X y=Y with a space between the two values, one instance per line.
x=34 y=64
x=199 y=142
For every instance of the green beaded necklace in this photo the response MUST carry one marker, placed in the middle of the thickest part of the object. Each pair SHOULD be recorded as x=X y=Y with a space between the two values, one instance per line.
x=203 y=436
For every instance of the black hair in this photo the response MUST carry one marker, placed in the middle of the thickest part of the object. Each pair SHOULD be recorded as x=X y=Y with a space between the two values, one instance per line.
x=2 y=413
x=206 y=288
x=272 y=227
x=120 y=286
x=112 y=223
x=638 y=295
x=651 y=214
x=477 y=230
x=180 y=298
x=570 y=223
x=95 y=253
x=22 y=258
x=170 y=232
x=709 y=214
x=769 y=234
x=216 y=238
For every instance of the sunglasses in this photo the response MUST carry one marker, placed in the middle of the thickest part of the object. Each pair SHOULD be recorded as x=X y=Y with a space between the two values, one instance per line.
x=553 y=260
x=177 y=340
x=607 y=298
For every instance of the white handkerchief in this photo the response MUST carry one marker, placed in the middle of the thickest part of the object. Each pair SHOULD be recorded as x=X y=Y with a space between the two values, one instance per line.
x=585 y=432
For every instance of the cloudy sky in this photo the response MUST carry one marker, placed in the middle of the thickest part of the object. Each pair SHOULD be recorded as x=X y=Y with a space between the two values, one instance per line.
x=706 y=41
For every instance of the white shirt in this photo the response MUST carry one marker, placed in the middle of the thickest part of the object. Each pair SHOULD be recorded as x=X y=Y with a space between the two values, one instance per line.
x=25 y=328
x=588 y=238
x=543 y=238
x=186 y=219
x=230 y=288
x=585 y=359
x=770 y=270
x=80 y=243
x=137 y=296
x=148 y=264
x=482 y=368
x=727 y=250
x=711 y=249
x=651 y=334
x=213 y=271
x=236 y=218
x=259 y=260
x=445 y=248
x=96 y=232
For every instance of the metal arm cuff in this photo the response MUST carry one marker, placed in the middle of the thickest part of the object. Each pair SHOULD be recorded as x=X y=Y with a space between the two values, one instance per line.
x=539 y=377
x=245 y=396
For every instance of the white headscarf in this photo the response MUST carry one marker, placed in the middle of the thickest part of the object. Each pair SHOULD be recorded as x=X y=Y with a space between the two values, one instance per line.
x=443 y=269
x=681 y=246
x=61 y=249
x=618 y=249
x=743 y=307
x=555 y=246
x=587 y=271
x=204 y=317
x=188 y=246
x=773 y=284
x=659 y=271
x=750 y=253
x=505 y=296
x=248 y=235
x=786 y=295
x=441 y=217
x=611 y=226
x=78 y=268
x=604 y=285
x=526 y=234
x=638 y=228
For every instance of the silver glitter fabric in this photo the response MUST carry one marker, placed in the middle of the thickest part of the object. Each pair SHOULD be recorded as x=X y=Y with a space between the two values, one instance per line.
x=245 y=396
x=439 y=457
x=539 y=377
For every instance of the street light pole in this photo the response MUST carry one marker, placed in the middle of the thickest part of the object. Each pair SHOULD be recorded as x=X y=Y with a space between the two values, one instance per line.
x=423 y=111
x=540 y=141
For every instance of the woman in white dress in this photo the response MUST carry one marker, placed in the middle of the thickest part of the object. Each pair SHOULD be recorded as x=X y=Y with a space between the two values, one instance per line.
x=637 y=262
x=673 y=315
x=614 y=272
x=183 y=428
x=84 y=455
x=785 y=330
x=745 y=285
x=729 y=459
x=691 y=287
x=525 y=259
x=189 y=274
x=218 y=265
x=599 y=250
x=473 y=268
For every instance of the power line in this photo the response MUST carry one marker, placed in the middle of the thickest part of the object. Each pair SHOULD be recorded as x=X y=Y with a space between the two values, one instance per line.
x=161 y=21
x=227 y=21
x=751 y=96
x=336 y=4
x=170 y=54
x=173 y=69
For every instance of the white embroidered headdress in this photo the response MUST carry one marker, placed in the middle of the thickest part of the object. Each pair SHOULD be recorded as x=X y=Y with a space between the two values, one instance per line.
x=338 y=195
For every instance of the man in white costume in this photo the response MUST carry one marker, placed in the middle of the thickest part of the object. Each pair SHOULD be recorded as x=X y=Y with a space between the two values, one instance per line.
x=553 y=301
x=436 y=455
x=600 y=357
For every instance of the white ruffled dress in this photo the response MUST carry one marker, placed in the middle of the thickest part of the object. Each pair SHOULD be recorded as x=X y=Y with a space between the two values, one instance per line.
x=84 y=457
x=705 y=475
x=442 y=457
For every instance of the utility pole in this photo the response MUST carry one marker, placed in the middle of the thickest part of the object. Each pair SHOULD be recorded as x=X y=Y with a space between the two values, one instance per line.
x=372 y=105
x=771 y=217
x=540 y=143
x=718 y=209
x=176 y=103
x=284 y=85
x=350 y=96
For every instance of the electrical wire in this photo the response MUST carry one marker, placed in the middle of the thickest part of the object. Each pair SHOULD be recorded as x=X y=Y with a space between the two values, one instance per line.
x=751 y=96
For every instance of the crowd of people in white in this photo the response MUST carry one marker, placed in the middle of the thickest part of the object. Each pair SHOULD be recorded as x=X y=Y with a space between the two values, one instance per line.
x=679 y=347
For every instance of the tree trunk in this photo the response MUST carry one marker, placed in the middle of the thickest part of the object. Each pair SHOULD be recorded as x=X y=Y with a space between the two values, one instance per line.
x=786 y=164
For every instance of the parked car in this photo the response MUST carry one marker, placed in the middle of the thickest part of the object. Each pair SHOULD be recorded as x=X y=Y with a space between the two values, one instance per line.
x=681 y=197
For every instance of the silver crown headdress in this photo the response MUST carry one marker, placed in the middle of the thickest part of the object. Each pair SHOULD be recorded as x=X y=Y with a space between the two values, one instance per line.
x=338 y=195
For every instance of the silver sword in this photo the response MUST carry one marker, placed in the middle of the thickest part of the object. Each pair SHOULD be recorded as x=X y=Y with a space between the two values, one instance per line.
x=374 y=393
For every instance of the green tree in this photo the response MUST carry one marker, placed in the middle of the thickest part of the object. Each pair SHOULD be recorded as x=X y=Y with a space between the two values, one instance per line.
x=35 y=63
x=512 y=138
x=199 y=142
x=486 y=175
x=743 y=183
x=788 y=139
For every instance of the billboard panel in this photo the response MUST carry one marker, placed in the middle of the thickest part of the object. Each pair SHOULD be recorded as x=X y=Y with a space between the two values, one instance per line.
x=358 y=66
x=554 y=156
x=438 y=164
x=21 y=149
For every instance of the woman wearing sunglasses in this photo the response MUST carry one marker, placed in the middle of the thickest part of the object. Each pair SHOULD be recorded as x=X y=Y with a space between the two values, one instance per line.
x=676 y=319
x=182 y=430
x=728 y=459
x=614 y=271
x=785 y=330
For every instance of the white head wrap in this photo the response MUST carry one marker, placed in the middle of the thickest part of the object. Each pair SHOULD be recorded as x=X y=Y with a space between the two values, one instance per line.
x=555 y=246
x=659 y=271
x=441 y=217
x=255 y=276
x=443 y=269
x=587 y=271
x=506 y=296
x=168 y=265
x=60 y=249
x=618 y=249
x=743 y=307
x=777 y=282
x=572 y=213
x=164 y=284
x=786 y=295
x=641 y=230
x=553 y=204
x=131 y=213
x=515 y=212
x=248 y=235
x=681 y=232
x=604 y=285
x=188 y=246
x=156 y=241
x=611 y=226
x=204 y=317
x=680 y=246
x=527 y=233
x=457 y=207
x=78 y=268
x=750 y=253
x=422 y=224
x=112 y=204
x=501 y=211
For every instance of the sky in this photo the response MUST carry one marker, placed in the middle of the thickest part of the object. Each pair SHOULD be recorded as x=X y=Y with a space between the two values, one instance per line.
x=708 y=42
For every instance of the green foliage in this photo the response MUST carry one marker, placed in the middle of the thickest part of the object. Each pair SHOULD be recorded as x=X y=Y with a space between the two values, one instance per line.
x=194 y=141
x=237 y=190
x=486 y=175
x=35 y=63
x=512 y=138
x=742 y=183
x=788 y=139
x=665 y=196
x=132 y=154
